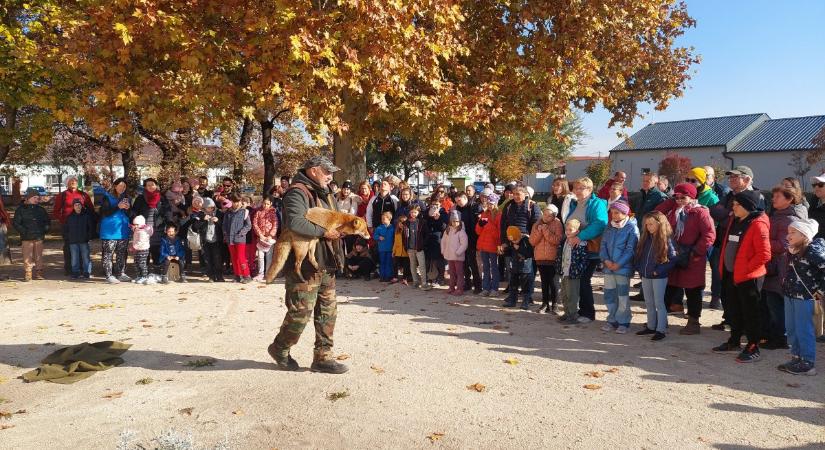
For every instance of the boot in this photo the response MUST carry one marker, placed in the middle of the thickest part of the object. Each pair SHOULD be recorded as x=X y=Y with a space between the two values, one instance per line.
x=715 y=303
x=38 y=275
x=691 y=328
x=545 y=306
x=27 y=274
x=328 y=366
x=287 y=364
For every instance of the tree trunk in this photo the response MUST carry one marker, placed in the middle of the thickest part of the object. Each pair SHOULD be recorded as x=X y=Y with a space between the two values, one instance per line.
x=7 y=132
x=350 y=157
x=244 y=143
x=266 y=153
x=130 y=170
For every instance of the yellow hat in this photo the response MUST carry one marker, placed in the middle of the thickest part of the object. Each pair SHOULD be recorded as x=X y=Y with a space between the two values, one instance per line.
x=700 y=174
x=513 y=233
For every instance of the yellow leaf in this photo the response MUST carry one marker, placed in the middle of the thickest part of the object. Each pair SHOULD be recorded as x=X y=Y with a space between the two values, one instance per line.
x=124 y=33
x=594 y=374
x=478 y=387
x=435 y=436
x=592 y=387
x=512 y=361
x=377 y=369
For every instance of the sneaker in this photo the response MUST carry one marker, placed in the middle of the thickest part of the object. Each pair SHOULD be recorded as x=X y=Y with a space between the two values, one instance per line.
x=139 y=280
x=749 y=354
x=802 y=367
x=572 y=320
x=621 y=330
x=726 y=347
x=583 y=320
x=485 y=293
x=150 y=281
x=124 y=278
x=715 y=303
x=719 y=326
x=784 y=367
x=112 y=280
x=426 y=287
x=329 y=366
x=259 y=279
x=525 y=306
x=607 y=327
x=183 y=279
x=645 y=331
x=658 y=336
x=245 y=280
x=164 y=280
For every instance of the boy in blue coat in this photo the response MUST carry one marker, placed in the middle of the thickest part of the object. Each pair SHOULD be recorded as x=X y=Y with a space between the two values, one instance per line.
x=172 y=251
x=616 y=252
x=385 y=236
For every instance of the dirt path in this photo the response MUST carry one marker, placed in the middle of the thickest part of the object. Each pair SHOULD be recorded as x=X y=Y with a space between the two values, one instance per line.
x=412 y=357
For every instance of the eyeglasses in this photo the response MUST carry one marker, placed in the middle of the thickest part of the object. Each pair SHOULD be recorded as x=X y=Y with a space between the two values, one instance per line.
x=691 y=180
x=816 y=185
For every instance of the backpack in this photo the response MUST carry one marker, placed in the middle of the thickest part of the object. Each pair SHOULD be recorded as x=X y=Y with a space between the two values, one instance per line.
x=193 y=239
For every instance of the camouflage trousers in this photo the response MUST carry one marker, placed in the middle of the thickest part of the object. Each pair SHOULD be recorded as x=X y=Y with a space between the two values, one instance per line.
x=314 y=298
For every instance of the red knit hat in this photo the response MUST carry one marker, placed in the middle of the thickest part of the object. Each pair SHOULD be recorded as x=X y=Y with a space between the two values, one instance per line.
x=686 y=189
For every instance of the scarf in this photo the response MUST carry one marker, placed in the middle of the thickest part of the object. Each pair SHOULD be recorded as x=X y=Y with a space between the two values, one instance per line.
x=619 y=224
x=152 y=198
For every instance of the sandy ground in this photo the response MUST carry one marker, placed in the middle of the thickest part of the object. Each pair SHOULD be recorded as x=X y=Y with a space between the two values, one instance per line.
x=412 y=357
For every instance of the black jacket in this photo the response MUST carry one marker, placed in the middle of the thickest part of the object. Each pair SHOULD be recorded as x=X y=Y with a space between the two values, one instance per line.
x=817 y=212
x=79 y=228
x=32 y=222
x=469 y=216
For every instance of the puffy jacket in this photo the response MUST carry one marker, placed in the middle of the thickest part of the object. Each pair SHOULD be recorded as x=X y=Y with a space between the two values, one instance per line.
x=114 y=222
x=618 y=245
x=578 y=260
x=398 y=247
x=79 y=228
x=236 y=224
x=265 y=223
x=435 y=227
x=780 y=219
x=754 y=250
x=810 y=266
x=522 y=216
x=596 y=217
x=63 y=204
x=141 y=237
x=171 y=248
x=156 y=217
x=545 y=239
x=647 y=265
x=32 y=222
x=388 y=233
x=421 y=234
x=699 y=234
x=707 y=197
x=488 y=231
x=454 y=244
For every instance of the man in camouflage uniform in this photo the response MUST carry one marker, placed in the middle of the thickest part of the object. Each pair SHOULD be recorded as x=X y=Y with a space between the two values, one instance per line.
x=309 y=188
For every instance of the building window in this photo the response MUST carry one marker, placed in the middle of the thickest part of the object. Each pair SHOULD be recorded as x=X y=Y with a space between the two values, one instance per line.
x=52 y=179
x=4 y=184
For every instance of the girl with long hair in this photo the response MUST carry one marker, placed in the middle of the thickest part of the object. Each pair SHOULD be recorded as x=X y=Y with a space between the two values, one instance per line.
x=654 y=259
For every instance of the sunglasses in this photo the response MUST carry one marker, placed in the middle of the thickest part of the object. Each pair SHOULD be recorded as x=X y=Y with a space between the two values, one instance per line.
x=691 y=180
x=816 y=185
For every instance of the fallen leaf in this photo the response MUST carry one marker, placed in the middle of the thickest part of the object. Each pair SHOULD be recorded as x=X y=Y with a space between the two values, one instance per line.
x=117 y=394
x=612 y=370
x=146 y=325
x=21 y=411
x=342 y=357
x=512 y=361
x=478 y=387
x=594 y=374
x=592 y=387
x=237 y=412
x=5 y=415
x=377 y=369
x=186 y=411
x=101 y=306
x=435 y=436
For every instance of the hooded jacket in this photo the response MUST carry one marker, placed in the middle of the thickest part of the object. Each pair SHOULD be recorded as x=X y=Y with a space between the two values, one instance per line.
x=236 y=223
x=545 y=239
x=141 y=237
x=454 y=244
x=707 y=197
x=32 y=222
x=780 y=219
x=388 y=233
x=169 y=247
x=619 y=245
x=809 y=265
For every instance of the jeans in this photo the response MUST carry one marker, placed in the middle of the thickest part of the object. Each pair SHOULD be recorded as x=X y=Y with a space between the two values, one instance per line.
x=81 y=264
x=489 y=271
x=654 y=292
x=617 y=299
x=570 y=287
x=385 y=265
x=264 y=260
x=456 y=276
x=773 y=317
x=525 y=281
x=586 y=306
x=418 y=267
x=800 y=327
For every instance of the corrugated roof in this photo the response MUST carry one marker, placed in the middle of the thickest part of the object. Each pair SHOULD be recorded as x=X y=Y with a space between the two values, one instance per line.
x=708 y=132
x=794 y=133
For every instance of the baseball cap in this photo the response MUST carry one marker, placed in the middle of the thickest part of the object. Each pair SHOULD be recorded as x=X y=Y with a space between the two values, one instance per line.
x=740 y=170
x=819 y=179
x=321 y=161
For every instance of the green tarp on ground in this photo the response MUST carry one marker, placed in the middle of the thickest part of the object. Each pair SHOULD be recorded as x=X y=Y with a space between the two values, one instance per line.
x=78 y=362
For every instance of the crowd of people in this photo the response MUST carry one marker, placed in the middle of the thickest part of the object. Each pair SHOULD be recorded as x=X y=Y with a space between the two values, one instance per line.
x=767 y=258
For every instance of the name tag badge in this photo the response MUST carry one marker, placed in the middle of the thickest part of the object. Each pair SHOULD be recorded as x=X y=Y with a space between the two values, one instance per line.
x=733 y=238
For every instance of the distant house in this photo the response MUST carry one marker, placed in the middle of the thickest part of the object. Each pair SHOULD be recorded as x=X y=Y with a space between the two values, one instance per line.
x=772 y=148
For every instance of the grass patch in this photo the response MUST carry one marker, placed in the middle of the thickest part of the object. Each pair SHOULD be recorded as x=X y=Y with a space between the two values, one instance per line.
x=146 y=380
x=335 y=396
x=202 y=362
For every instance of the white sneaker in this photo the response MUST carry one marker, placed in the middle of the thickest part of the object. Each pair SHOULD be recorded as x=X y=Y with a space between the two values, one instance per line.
x=112 y=280
x=607 y=327
x=124 y=278
x=621 y=330
x=150 y=281
x=583 y=320
x=139 y=280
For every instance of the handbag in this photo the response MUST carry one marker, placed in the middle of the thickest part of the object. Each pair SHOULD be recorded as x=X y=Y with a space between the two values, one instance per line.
x=682 y=258
x=594 y=245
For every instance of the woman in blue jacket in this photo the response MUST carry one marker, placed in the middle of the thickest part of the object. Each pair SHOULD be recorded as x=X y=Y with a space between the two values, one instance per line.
x=591 y=211
x=115 y=231
x=618 y=245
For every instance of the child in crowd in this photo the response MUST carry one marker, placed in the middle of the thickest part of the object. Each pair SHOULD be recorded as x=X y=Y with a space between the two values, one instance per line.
x=400 y=255
x=141 y=237
x=489 y=240
x=803 y=286
x=520 y=252
x=210 y=227
x=32 y=222
x=572 y=261
x=172 y=252
x=616 y=252
x=655 y=257
x=414 y=235
x=384 y=235
x=358 y=261
x=436 y=222
x=453 y=247
x=236 y=223
x=77 y=231
x=545 y=238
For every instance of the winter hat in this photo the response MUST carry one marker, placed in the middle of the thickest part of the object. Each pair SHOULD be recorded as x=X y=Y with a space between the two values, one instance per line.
x=455 y=215
x=139 y=221
x=513 y=233
x=347 y=185
x=699 y=173
x=208 y=203
x=808 y=227
x=486 y=191
x=686 y=189
x=493 y=198
x=197 y=201
x=31 y=192
x=748 y=200
x=552 y=208
x=622 y=206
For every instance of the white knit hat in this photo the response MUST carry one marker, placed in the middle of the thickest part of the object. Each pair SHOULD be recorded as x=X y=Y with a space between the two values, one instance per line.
x=552 y=208
x=139 y=220
x=808 y=227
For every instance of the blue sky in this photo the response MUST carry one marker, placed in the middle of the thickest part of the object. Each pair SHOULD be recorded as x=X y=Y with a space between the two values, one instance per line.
x=757 y=56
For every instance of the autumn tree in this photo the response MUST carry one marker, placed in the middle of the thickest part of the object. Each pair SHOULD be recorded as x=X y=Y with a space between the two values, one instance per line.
x=399 y=155
x=675 y=167
x=599 y=171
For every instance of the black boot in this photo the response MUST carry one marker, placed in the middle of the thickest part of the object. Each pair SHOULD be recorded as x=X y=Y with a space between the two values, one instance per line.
x=329 y=366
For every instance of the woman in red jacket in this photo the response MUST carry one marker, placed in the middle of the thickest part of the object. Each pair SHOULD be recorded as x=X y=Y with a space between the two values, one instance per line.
x=746 y=249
